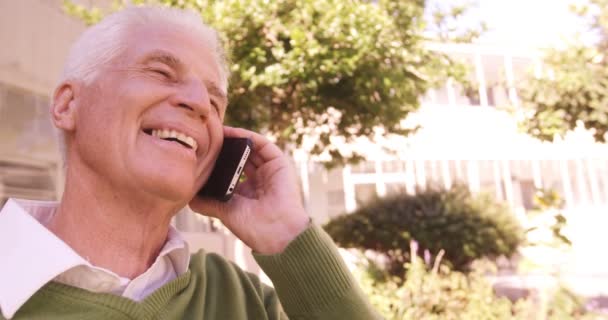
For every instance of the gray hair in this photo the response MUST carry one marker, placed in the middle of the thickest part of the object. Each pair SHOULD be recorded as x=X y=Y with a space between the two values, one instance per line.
x=100 y=44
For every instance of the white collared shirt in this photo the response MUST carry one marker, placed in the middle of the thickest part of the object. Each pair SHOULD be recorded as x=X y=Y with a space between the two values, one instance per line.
x=32 y=256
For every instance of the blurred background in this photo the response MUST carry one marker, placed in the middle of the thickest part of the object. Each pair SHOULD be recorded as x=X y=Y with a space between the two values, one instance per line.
x=418 y=102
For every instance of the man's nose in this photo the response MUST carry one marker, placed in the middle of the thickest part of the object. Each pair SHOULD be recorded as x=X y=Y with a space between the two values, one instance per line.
x=193 y=96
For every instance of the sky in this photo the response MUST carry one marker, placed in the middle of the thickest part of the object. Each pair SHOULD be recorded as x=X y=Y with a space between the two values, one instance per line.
x=525 y=23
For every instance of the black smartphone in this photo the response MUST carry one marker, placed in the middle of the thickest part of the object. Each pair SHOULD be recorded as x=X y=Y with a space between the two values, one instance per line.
x=227 y=170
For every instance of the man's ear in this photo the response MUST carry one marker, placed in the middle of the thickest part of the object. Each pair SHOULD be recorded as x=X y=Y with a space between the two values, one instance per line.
x=63 y=106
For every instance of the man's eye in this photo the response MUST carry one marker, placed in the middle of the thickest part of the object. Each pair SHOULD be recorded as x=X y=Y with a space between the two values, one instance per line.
x=163 y=73
x=215 y=105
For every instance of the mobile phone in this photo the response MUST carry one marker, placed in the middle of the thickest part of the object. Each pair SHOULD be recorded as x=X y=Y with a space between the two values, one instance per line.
x=227 y=170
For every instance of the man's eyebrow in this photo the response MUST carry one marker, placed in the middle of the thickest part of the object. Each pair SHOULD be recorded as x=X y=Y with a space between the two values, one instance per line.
x=216 y=91
x=164 y=57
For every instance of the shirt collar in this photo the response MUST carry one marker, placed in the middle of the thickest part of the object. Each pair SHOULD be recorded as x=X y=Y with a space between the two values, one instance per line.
x=178 y=251
x=33 y=256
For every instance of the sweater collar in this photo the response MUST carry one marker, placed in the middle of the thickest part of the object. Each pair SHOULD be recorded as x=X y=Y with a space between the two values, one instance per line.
x=33 y=255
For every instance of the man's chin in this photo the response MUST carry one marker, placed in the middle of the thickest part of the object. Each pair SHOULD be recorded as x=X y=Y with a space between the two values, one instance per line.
x=164 y=183
x=179 y=194
x=180 y=198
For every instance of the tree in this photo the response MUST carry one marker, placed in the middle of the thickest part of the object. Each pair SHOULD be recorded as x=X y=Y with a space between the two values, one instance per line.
x=574 y=90
x=309 y=73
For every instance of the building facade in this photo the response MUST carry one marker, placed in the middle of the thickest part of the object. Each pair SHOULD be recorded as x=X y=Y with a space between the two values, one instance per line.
x=35 y=36
x=471 y=138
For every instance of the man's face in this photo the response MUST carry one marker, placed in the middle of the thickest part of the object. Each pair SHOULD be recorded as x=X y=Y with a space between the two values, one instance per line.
x=152 y=120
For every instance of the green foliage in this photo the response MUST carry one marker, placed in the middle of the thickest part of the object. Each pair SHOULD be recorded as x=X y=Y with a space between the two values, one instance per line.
x=322 y=69
x=547 y=216
x=546 y=199
x=89 y=16
x=466 y=226
x=437 y=292
x=574 y=90
x=448 y=26
x=565 y=304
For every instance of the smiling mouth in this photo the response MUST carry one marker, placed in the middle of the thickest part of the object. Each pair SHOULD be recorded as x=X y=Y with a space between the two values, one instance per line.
x=173 y=136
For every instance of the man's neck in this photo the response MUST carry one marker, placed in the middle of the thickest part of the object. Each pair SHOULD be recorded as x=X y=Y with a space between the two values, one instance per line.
x=113 y=229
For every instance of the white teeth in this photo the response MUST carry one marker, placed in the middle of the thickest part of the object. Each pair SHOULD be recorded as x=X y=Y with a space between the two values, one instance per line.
x=192 y=142
x=165 y=134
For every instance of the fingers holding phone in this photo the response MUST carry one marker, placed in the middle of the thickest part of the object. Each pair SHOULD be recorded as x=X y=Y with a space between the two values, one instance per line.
x=235 y=155
x=263 y=149
x=265 y=211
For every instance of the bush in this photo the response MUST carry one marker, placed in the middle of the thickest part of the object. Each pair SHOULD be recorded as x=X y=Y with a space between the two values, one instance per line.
x=434 y=293
x=466 y=226
x=437 y=293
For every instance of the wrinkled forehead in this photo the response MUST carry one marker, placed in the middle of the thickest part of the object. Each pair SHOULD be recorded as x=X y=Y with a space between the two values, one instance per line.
x=176 y=45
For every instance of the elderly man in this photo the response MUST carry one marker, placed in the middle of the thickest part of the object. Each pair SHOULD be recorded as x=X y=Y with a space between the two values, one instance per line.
x=107 y=250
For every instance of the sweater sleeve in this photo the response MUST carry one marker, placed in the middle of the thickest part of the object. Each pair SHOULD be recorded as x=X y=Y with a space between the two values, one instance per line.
x=313 y=282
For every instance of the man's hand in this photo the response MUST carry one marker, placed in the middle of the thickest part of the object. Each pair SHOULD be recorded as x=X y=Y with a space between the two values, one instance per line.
x=266 y=210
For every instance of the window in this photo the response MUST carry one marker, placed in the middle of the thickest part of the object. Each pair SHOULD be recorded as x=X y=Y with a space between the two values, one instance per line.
x=335 y=198
x=365 y=167
x=442 y=96
x=527 y=193
x=395 y=188
x=393 y=166
x=365 y=193
x=28 y=153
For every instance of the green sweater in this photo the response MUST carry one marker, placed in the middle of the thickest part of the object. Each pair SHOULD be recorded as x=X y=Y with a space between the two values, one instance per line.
x=311 y=281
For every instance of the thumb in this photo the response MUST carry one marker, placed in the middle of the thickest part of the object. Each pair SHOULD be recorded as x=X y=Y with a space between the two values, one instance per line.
x=208 y=207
